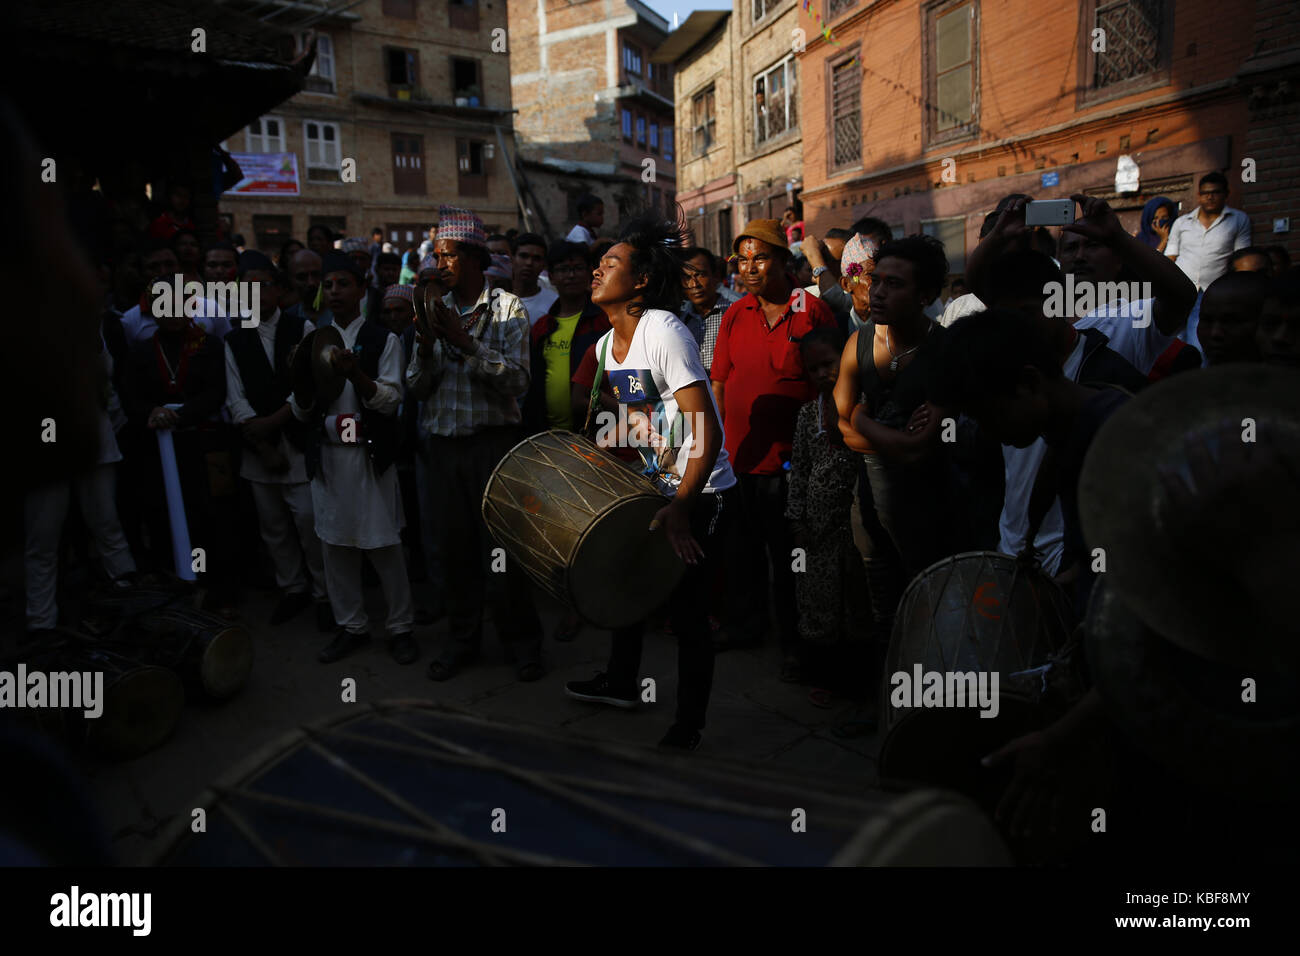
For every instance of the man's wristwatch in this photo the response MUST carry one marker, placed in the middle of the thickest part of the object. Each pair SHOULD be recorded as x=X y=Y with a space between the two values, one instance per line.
x=816 y=273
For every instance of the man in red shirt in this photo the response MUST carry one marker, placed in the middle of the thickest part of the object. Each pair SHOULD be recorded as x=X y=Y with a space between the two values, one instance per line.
x=759 y=383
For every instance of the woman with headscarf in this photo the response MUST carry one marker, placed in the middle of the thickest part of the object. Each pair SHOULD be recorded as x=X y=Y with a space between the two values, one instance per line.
x=410 y=268
x=1158 y=216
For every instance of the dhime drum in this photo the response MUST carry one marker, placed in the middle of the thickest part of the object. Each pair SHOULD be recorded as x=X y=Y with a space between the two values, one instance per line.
x=141 y=704
x=981 y=614
x=410 y=783
x=211 y=654
x=579 y=522
x=107 y=609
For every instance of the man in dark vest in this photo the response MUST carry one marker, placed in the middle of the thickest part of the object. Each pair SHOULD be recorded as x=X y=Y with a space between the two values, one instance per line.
x=351 y=444
x=257 y=397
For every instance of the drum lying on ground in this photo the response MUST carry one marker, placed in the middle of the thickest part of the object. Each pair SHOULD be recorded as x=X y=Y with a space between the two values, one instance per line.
x=411 y=783
x=109 y=609
x=578 y=521
x=141 y=704
x=212 y=655
x=980 y=612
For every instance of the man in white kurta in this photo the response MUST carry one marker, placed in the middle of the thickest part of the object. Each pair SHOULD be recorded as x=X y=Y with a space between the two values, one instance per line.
x=274 y=468
x=358 y=512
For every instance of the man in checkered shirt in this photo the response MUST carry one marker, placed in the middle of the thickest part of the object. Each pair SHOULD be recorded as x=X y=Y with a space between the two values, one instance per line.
x=468 y=375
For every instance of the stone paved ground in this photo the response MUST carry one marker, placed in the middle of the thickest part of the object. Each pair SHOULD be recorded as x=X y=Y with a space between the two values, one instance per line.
x=753 y=715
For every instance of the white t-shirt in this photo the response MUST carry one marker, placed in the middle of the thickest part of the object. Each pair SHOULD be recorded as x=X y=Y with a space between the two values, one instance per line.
x=1021 y=470
x=538 y=305
x=1141 y=346
x=663 y=357
x=960 y=307
x=580 y=233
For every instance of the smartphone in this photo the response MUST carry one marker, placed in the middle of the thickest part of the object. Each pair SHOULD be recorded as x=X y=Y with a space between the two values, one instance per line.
x=1049 y=212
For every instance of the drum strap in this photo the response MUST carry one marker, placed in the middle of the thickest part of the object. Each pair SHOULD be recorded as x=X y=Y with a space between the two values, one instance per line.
x=595 y=387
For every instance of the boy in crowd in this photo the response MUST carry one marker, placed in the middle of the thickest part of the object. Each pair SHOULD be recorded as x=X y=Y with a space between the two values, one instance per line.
x=351 y=446
x=591 y=216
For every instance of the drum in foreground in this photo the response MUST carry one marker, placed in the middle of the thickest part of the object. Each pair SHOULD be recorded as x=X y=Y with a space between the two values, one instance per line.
x=979 y=612
x=212 y=655
x=411 y=783
x=578 y=522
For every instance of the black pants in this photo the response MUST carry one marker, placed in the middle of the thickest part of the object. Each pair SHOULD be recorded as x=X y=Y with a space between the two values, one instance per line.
x=411 y=537
x=461 y=468
x=688 y=609
x=910 y=526
x=761 y=534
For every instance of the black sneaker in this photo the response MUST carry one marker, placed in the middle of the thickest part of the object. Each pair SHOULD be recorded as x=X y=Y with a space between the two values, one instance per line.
x=598 y=690
x=681 y=738
x=344 y=643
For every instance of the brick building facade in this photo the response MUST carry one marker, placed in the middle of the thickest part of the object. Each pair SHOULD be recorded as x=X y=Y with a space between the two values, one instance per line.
x=955 y=103
x=592 y=109
x=1272 y=78
x=417 y=95
x=700 y=51
x=739 y=116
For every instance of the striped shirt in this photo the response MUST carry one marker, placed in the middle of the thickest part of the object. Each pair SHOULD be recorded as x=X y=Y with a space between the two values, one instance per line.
x=705 y=329
x=462 y=394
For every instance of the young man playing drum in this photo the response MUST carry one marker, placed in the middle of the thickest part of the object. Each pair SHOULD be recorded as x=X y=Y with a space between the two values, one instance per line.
x=653 y=364
x=350 y=451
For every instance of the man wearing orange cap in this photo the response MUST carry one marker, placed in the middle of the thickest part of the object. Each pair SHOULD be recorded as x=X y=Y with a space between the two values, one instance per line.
x=759 y=383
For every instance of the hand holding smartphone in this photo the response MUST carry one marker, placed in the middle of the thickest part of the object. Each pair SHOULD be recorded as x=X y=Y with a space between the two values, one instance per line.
x=1049 y=212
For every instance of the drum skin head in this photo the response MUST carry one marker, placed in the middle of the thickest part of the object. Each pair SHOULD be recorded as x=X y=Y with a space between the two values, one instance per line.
x=1199 y=519
x=977 y=611
x=621 y=569
x=227 y=662
x=578 y=522
x=402 y=783
x=210 y=654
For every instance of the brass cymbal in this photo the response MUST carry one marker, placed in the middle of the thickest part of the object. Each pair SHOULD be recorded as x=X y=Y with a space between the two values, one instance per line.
x=1192 y=489
x=424 y=299
x=304 y=385
x=329 y=380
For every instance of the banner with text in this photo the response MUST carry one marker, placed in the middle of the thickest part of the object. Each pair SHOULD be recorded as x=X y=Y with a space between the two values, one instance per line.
x=266 y=174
